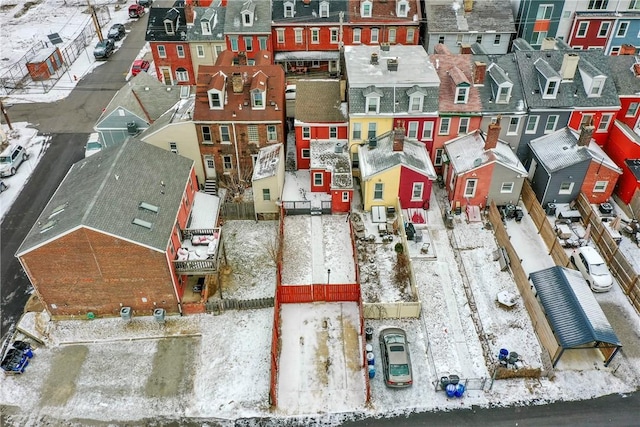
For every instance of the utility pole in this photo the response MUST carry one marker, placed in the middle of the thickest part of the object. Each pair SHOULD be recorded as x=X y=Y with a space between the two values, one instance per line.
x=94 y=17
x=5 y=115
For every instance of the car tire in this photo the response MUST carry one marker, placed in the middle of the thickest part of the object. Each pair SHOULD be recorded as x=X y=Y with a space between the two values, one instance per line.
x=25 y=156
x=13 y=171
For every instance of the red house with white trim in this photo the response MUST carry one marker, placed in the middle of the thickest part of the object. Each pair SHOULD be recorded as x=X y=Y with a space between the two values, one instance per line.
x=624 y=149
x=247 y=27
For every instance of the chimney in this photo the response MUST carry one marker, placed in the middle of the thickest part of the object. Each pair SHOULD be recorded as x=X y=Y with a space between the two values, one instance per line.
x=392 y=64
x=223 y=3
x=569 y=66
x=636 y=69
x=398 y=139
x=236 y=82
x=468 y=6
x=374 y=58
x=493 y=133
x=548 y=43
x=479 y=70
x=465 y=49
x=627 y=49
x=189 y=13
x=242 y=58
x=442 y=49
x=586 y=132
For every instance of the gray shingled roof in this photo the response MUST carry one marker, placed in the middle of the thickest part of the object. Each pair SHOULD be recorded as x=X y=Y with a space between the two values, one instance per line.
x=155 y=25
x=103 y=193
x=304 y=13
x=261 y=21
x=487 y=15
x=574 y=313
x=319 y=101
x=150 y=93
x=625 y=80
x=215 y=15
x=506 y=69
x=559 y=150
x=571 y=93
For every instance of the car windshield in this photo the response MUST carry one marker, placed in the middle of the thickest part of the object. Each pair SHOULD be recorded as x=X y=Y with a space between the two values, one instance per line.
x=599 y=270
x=94 y=145
x=5 y=160
x=399 y=370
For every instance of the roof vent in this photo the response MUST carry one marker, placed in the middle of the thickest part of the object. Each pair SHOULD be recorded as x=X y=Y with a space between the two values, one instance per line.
x=477 y=162
x=339 y=147
x=392 y=64
x=374 y=58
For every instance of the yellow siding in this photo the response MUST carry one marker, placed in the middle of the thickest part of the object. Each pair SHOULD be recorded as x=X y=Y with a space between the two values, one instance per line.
x=383 y=125
x=391 y=181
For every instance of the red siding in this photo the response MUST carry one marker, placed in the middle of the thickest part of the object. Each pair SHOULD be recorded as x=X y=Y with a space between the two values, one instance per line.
x=599 y=135
x=407 y=178
x=631 y=120
x=599 y=172
x=324 y=39
x=255 y=44
x=172 y=61
x=591 y=38
x=484 y=175
x=337 y=204
x=619 y=147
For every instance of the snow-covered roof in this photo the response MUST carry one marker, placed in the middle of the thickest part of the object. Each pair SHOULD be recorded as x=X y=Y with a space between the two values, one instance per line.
x=267 y=163
x=598 y=155
x=559 y=150
x=332 y=155
x=467 y=152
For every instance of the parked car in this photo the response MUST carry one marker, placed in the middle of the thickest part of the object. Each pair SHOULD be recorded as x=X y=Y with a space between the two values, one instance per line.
x=93 y=145
x=139 y=65
x=136 y=11
x=593 y=268
x=145 y=3
x=104 y=49
x=396 y=362
x=116 y=32
x=290 y=92
x=11 y=159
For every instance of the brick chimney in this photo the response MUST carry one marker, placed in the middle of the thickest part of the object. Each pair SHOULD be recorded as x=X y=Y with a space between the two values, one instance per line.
x=465 y=49
x=398 y=138
x=479 y=71
x=242 y=58
x=586 y=132
x=493 y=133
x=189 y=13
x=442 y=49
x=236 y=82
x=627 y=49
x=468 y=6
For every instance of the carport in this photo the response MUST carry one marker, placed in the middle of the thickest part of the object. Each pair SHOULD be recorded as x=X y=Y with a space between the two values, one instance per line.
x=573 y=312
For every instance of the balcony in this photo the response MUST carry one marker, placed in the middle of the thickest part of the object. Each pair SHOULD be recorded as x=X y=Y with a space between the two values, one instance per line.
x=200 y=252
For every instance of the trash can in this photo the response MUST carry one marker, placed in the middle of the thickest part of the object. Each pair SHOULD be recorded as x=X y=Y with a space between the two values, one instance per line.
x=513 y=357
x=410 y=230
x=369 y=348
x=504 y=353
x=158 y=314
x=459 y=390
x=371 y=359
x=125 y=313
x=444 y=382
x=448 y=220
x=454 y=379
x=368 y=333
x=372 y=371
x=451 y=390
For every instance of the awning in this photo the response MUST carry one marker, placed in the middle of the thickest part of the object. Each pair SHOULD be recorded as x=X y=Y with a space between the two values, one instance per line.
x=303 y=55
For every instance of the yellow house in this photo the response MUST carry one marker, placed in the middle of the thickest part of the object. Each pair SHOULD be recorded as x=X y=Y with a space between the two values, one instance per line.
x=268 y=181
x=206 y=35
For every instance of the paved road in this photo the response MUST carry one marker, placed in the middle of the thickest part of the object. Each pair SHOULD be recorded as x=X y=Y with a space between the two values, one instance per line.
x=68 y=121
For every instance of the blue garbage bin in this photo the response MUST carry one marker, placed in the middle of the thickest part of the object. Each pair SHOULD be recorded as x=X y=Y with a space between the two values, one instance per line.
x=451 y=390
x=459 y=390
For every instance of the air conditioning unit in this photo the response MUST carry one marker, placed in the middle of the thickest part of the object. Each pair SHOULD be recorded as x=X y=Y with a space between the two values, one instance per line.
x=373 y=142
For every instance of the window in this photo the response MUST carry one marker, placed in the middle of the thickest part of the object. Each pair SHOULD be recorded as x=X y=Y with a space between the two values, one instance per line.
x=604 y=29
x=479 y=39
x=470 y=187
x=416 y=192
x=257 y=99
x=218 y=49
x=206 y=134
x=415 y=103
x=544 y=11
x=200 y=51
x=306 y=153
x=514 y=122
x=441 y=39
x=605 y=120
x=566 y=188
x=234 y=43
x=357 y=131
x=496 y=40
x=182 y=75
x=225 y=137
x=306 y=132
x=345 y=196
x=437 y=161
x=596 y=87
x=266 y=194
x=173 y=147
x=633 y=108
x=210 y=163
x=247 y=19
x=550 y=126
x=317 y=178
x=532 y=124
x=444 y=126
x=374 y=35
x=215 y=100
x=365 y=9
x=622 y=29
x=506 y=187
x=280 y=35
x=180 y=51
x=586 y=120
x=371 y=131
x=252 y=133
x=410 y=35
x=206 y=27
x=263 y=43
x=462 y=93
x=248 y=44
x=168 y=27
x=298 y=35
x=582 y=29
x=597 y=4
x=315 y=35
x=315 y=64
x=551 y=89
x=333 y=132
x=504 y=93
x=288 y=10
x=162 y=52
x=634 y=5
x=427 y=130
x=463 y=125
x=333 y=35
x=324 y=9
x=402 y=8
x=272 y=134
x=378 y=190
x=373 y=104
x=356 y=35
x=227 y=163
x=412 y=130
x=600 y=186
x=537 y=37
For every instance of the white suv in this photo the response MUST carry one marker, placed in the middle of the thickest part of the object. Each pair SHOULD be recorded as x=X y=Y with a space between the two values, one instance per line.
x=11 y=159
x=593 y=268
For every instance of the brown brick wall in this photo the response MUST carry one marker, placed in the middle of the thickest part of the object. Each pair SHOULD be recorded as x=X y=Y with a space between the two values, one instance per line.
x=87 y=271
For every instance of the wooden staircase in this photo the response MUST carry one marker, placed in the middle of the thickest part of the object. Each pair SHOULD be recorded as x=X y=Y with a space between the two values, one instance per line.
x=211 y=187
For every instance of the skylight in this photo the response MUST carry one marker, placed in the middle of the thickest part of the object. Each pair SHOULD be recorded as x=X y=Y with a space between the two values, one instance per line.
x=142 y=223
x=58 y=209
x=148 y=207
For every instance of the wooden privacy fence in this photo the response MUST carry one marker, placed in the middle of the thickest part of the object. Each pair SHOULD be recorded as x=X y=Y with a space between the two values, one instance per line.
x=624 y=271
x=538 y=318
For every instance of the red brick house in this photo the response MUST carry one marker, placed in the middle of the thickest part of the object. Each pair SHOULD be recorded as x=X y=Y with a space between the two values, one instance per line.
x=247 y=27
x=602 y=176
x=114 y=233
x=238 y=110
x=167 y=37
x=374 y=22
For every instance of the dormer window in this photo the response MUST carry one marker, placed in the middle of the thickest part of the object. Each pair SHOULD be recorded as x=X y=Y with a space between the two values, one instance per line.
x=462 y=94
x=596 y=86
x=548 y=79
x=551 y=89
x=462 y=85
x=372 y=96
x=592 y=79
x=257 y=99
x=169 y=28
x=504 y=94
x=416 y=99
x=501 y=84
x=248 y=13
x=206 y=28
x=288 y=10
x=324 y=9
x=216 y=99
x=366 y=8
x=402 y=8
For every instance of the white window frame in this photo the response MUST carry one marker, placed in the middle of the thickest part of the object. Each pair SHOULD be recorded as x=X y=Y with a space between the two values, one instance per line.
x=391 y=35
x=600 y=186
x=162 y=51
x=357 y=35
x=375 y=35
x=445 y=124
x=463 y=125
x=416 y=102
x=289 y=10
x=306 y=132
x=427 y=130
x=605 y=121
x=206 y=28
x=333 y=132
x=258 y=100
x=248 y=43
x=297 y=35
x=315 y=35
x=537 y=37
x=462 y=95
x=551 y=89
x=372 y=101
x=173 y=147
x=305 y=153
x=597 y=84
x=470 y=187
x=604 y=29
x=417 y=191
x=412 y=130
x=366 y=9
x=503 y=95
x=200 y=51
x=279 y=35
x=206 y=134
x=507 y=187
x=378 y=191
x=345 y=196
x=318 y=179
x=545 y=11
x=333 y=35
x=532 y=120
x=253 y=134
x=623 y=27
x=411 y=34
x=372 y=130
x=227 y=162
x=583 y=27
x=514 y=125
x=402 y=8
x=213 y=105
x=266 y=194
x=324 y=9
x=597 y=4
x=227 y=133
x=552 y=119
x=180 y=51
x=272 y=133
x=233 y=41
x=356 y=133
x=438 y=157
x=562 y=190
x=262 y=43
x=633 y=108
x=182 y=75
x=496 y=39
